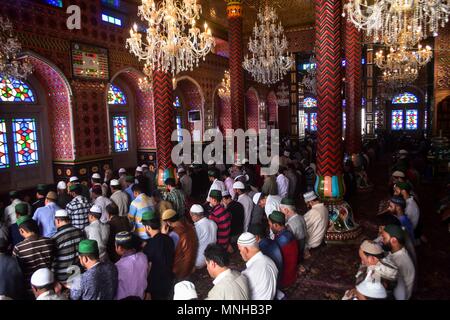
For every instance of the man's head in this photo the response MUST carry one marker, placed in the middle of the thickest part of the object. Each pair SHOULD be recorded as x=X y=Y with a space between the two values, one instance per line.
x=384 y=220
x=122 y=172
x=129 y=180
x=137 y=190
x=170 y=216
x=151 y=167
x=170 y=183
x=277 y=222
x=138 y=171
x=94 y=213
x=259 y=199
x=42 y=280
x=397 y=205
x=393 y=237
x=258 y=230
x=61 y=187
x=398 y=176
x=115 y=185
x=217 y=259
x=112 y=210
x=157 y=196
x=41 y=191
x=124 y=243
x=370 y=253
x=310 y=199
x=27 y=227
x=50 y=197
x=144 y=168
x=21 y=209
x=226 y=198
x=96 y=191
x=181 y=172
x=287 y=207
x=197 y=212
x=75 y=189
x=61 y=218
x=239 y=187
x=213 y=174
x=14 y=195
x=96 y=178
x=215 y=197
x=247 y=245
x=151 y=222
x=88 y=253
x=402 y=189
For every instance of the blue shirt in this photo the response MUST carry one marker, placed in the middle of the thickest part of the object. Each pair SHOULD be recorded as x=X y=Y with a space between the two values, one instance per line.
x=98 y=283
x=271 y=249
x=406 y=223
x=130 y=192
x=45 y=218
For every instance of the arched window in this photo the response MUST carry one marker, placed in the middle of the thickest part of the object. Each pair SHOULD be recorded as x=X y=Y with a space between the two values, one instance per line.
x=308 y=114
x=116 y=95
x=19 y=145
x=310 y=102
x=405 y=98
x=405 y=112
x=117 y=102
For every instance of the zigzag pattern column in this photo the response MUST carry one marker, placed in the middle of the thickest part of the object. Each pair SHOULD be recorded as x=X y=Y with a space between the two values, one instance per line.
x=353 y=72
x=164 y=124
x=234 y=14
x=330 y=183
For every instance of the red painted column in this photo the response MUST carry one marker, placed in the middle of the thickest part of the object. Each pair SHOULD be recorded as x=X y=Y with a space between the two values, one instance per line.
x=164 y=123
x=234 y=14
x=353 y=72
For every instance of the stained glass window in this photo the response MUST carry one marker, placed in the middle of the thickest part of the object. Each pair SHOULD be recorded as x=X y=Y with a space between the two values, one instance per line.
x=397 y=120
x=4 y=160
x=15 y=90
x=405 y=98
x=120 y=133
x=55 y=3
x=177 y=102
x=313 y=121
x=116 y=95
x=179 y=128
x=425 y=120
x=25 y=141
x=111 y=19
x=411 y=119
x=309 y=102
x=344 y=120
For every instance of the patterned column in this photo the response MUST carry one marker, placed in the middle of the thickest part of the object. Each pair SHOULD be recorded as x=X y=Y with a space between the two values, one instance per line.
x=353 y=72
x=330 y=183
x=164 y=125
x=234 y=14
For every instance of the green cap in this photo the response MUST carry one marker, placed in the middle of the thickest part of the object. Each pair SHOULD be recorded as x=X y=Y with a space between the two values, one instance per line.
x=74 y=187
x=288 y=201
x=88 y=247
x=21 y=208
x=129 y=179
x=403 y=186
x=148 y=215
x=13 y=194
x=41 y=187
x=396 y=232
x=216 y=194
x=277 y=217
x=22 y=219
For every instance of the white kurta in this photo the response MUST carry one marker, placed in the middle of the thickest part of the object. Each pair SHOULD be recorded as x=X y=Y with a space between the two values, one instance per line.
x=406 y=269
x=316 y=224
x=283 y=185
x=102 y=202
x=272 y=204
x=262 y=276
x=10 y=211
x=412 y=211
x=99 y=232
x=247 y=203
x=206 y=233
x=122 y=201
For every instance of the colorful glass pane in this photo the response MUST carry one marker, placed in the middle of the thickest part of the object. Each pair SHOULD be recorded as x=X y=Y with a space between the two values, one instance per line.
x=405 y=98
x=309 y=102
x=177 y=102
x=4 y=160
x=15 y=90
x=344 y=120
x=179 y=129
x=120 y=134
x=397 y=120
x=425 y=120
x=25 y=141
x=411 y=119
x=55 y=3
x=313 y=121
x=116 y=95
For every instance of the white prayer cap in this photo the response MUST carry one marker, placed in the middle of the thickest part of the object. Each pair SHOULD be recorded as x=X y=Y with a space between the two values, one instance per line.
x=238 y=185
x=181 y=170
x=403 y=151
x=256 y=198
x=42 y=277
x=225 y=193
x=372 y=288
x=144 y=166
x=114 y=182
x=184 y=290
x=310 y=196
x=196 y=208
x=246 y=239
x=96 y=209
x=61 y=214
x=96 y=176
x=398 y=174
x=139 y=169
x=61 y=185
x=122 y=170
x=73 y=179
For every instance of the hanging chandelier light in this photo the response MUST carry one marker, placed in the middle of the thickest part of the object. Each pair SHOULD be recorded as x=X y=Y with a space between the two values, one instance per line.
x=309 y=80
x=386 y=20
x=403 y=56
x=11 y=64
x=172 y=42
x=146 y=83
x=224 y=90
x=269 y=60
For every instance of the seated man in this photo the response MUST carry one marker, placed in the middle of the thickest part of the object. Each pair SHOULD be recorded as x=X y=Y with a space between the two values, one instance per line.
x=295 y=223
x=316 y=221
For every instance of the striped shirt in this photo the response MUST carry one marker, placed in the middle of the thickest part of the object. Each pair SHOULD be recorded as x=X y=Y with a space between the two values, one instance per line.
x=222 y=218
x=66 y=241
x=176 y=198
x=34 y=253
x=78 y=210
x=141 y=204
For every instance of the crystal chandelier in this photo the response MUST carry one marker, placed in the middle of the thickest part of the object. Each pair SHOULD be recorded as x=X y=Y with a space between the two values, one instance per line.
x=146 y=83
x=402 y=56
x=385 y=20
x=11 y=65
x=224 y=90
x=171 y=42
x=309 y=80
x=269 y=61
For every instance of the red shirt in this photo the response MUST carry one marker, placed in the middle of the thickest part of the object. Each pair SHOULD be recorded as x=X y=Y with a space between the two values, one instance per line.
x=222 y=218
x=289 y=250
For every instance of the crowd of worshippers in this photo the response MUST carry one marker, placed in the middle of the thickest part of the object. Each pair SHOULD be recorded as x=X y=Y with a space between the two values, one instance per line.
x=122 y=238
